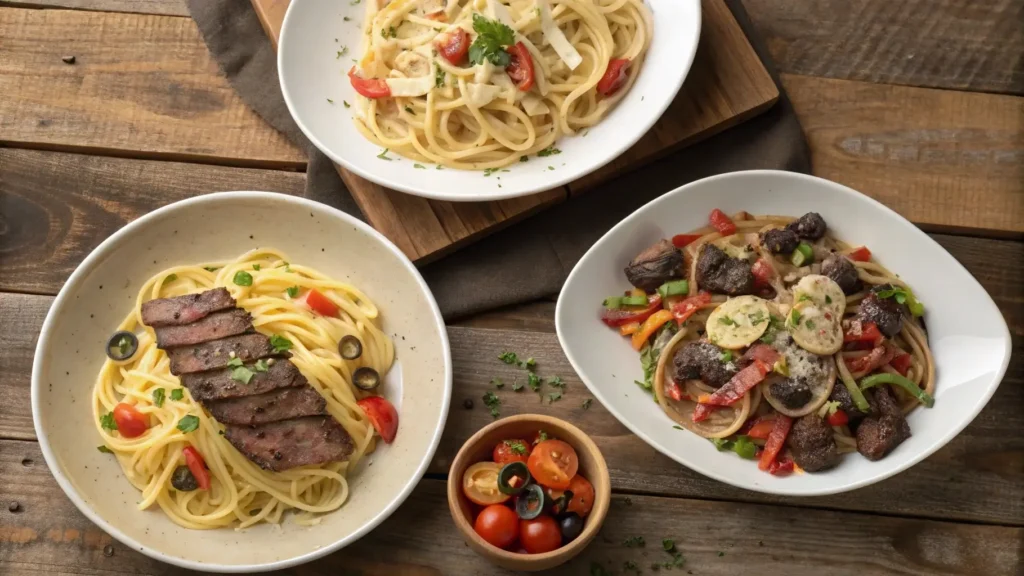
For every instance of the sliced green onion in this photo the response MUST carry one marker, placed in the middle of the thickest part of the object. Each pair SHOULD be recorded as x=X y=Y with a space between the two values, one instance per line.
x=634 y=300
x=803 y=255
x=508 y=472
x=674 y=288
x=887 y=378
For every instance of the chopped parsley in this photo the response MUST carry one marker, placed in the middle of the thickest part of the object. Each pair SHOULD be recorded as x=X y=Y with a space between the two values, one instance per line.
x=803 y=298
x=439 y=76
x=124 y=344
x=524 y=158
x=530 y=363
x=384 y=155
x=410 y=110
x=242 y=278
x=492 y=37
x=389 y=32
x=541 y=436
x=903 y=296
x=678 y=427
x=346 y=104
x=492 y=401
x=534 y=381
x=828 y=299
x=809 y=324
x=509 y=357
x=516 y=386
x=177 y=394
x=556 y=382
x=795 y=317
x=107 y=421
x=668 y=545
x=280 y=343
x=170 y=278
x=342 y=52
x=329 y=101
x=516 y=447
x=774 y=323
x=353 y=2
x=439 y=167
x=292 y=291
x=104 y=449
x=158 y=397
x=235 y=363
x=346 y=18
x=551 y=167
x=720 y=553
x=188 y=424
x=634 y=542
x=757 y=318
x=489 y=171
x=554 y=397
x=261 y=366
x=210 y=268
x=727 y=321
x=242 y=374
x=549 y=151
x=586 y=403
x=419 y=166
x=497 y=383
x=677 y=561
x=725 y=357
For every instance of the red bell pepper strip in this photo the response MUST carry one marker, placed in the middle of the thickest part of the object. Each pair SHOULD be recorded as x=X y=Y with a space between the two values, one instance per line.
x=369 y=87
x=649 y=327
x=684 y=240
x=861 y=254
x=683 y=309
x=776 y=440
x=763 y=273
x=878 y=357
x=901 y=363
x=616 y=318
x=614 y=76
x=858 y=331
x=722 y=223
x=761 y=429
x=197 y=466
x=674 y=391
x=781 y=466
x=733 y=390
x=838 y=418
x=762 y=352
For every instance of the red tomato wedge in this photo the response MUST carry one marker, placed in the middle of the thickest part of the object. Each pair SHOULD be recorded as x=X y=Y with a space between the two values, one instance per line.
x=683 y=309
x=197 y=466
x=369 y=87
x=901 y=363
x=553 y=463
x=382 y=415
x=861 y=254
x=733 y=390
x=684 y=240
x=719 y=221
x=616 y=318
x=776 y=440
x=514 y=450
x=320 y=303
x=130 y=422
x=615 y=76
x=520 y=68
x=763 y=273
x=453 y=45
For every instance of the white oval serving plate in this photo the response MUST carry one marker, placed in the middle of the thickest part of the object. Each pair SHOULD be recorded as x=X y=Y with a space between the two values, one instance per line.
x=102 y=291
x=312 y=70
x=967 y=332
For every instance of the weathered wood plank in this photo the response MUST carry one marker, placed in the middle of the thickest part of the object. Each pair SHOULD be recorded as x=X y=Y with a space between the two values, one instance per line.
x=961 y=44
x=164 y=7
x=141 y=83
x=49 y=536
x=941 y=158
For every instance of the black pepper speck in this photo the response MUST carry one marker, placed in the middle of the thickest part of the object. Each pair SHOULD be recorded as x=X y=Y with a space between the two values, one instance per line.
x=26 y=462
x=468 y=404
x=14 y=507
x=68 y=59
x=108 y=550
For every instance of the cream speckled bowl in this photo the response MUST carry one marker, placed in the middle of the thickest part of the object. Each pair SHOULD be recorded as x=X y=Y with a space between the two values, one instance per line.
x=220 y=226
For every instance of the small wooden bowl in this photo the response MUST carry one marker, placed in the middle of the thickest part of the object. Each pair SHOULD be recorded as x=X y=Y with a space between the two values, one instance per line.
x=479 y=448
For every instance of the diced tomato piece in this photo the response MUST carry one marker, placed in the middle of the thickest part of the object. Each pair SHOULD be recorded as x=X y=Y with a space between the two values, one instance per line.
x=627 y=329
x=520 y=67
x=901 y=363
x=615 y=76
x=453 y=45
x=776 y=440
x=673 y=391
x=320 y=303
x=684 y=240
x=721 y=222
x=858 y=331
x=762 y=352
x=616 y=318
x=197 y=466
x=861 y=254
x=763 y=273
x=382 y=415
x=838 y=418
x=130 y=422
x=369 y=87
x=649 y=327
x=683 y=309
x=781 y=467
x=733 y=390
x=761 y=429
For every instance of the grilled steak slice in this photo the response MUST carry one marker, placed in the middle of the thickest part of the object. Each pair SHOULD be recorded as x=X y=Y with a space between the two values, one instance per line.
x=841 y=270
x=779 y=240
x=217 y=325
x=270 y=407
x=217 y=354
x=289 y=443
x=218 y=384
x=886 y=313
x=810 y=226
x=702 y=360
x=718 y=273
x=654 y=266
x=880 y=435
x=814 y=448
x=185 y=309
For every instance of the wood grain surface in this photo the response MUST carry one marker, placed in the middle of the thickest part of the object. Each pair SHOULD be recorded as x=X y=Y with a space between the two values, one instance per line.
x=49 y=536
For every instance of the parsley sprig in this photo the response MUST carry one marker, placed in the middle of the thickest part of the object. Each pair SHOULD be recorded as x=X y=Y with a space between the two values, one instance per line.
x=491 y=40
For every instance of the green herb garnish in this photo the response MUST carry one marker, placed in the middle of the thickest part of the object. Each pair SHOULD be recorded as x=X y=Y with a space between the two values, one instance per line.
x=242 y=278
x=903 y=296
x=419 y=166
x=177 y=394
x=492 y=37
x=727 y=321
x=524 y=158
x=795 y=317
x=256 y=267
x=261 y=366
x=586 y=403
x=725 y=357
x=389 y=32
x=534 y=381
x=292 y=291
x=516 y=447
x=235 y=363
x=809 y=324
x=492 y=401
x=439 y=76
x=828 y=299
x=554 y=397
x=188 y=424
x=280 y=343
x=489 y=171
x=634 y=542
x=384 y=155
x=549 y=151
x=497 y=383
x=104 y=449
x=242 y=375
x=107 y=421
x=158 y=397
x=346 y=104
x=509 y=357
x=210 y=268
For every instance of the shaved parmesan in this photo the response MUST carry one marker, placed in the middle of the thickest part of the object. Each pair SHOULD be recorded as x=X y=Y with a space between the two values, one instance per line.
x=556 y=38
x=433 y=6
x=534 y=106
x=479 y=95
x=410 y=86
x=483 y=72
x=499 y=12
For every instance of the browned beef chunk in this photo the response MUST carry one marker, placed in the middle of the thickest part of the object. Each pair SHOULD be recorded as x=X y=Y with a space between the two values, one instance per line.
x=185 y=309
x=842 y=271
x=842 y=395
x=812 y=444
x=779 y=240
x=655 y=266
x=218 y=384
x=217 y=325
x=794 y=393
x=286 y=444
x=270 y=407
x=884 y=312
x=701 y=360
x=810 y=226
x=717 y=272
x=217 y=354
x=879 y=435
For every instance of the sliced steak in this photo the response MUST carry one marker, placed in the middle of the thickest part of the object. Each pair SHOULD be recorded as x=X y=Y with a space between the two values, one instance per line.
x=779 y=240
x=810 y=226
x=879 y=435
x=185 y=309
x=794 y=393
x=217 y=354
x=286 y=444
x=813 y=446
x=702 y=360
x=842 y=271
x=218 y=384
x=884 y=312
x=717 y=272
x=217 y=325
x=269 y=407
x=655 y=265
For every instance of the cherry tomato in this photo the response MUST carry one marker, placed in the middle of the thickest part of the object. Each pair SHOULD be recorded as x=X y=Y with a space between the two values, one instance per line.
x=369 y=87
x=498 y=525
x=130 y=422
x=453 y=45
x=582 y=495
x=320 y=303
x=197 y=467
x=520 y=68
x=382 y=415
x=515 y=450
x=540 y=535
x=838 y=418
x=553 y=463
x=480 y=484
x=614 y=76
x=861 y=254
x=721 y=222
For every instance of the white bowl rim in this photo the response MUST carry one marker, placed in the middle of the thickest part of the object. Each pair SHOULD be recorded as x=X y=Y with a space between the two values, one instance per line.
x=624 y=143
x=100 y=252
x=694 y=464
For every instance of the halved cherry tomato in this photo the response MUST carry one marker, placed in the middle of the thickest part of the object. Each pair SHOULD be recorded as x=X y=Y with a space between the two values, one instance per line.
x=453 y=45
x=582 y=495
x=320 y=303
x=514 y=450
x=520 y=67
x=722 y=223
x=480 y=484
x=683 y=309
x=838 y=418
x=498 y=525
x=382 y=415
x=369 y=87
x=684 y=240
x=553 y=463
x=540 y=535
x=614 y=76
x=901 y=363
x=627 y=329
x=130 y=422
x=861 y=254
x=762 y=272
x=197 y=467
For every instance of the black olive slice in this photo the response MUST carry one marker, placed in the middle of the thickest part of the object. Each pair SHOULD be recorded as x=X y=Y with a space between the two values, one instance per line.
x=530 y=503
x=517 y=470
x=366 y=378
x=122 y=345
x=350 y=347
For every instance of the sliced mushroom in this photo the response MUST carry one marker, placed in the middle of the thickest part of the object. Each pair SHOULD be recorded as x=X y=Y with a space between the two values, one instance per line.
x=412 y=64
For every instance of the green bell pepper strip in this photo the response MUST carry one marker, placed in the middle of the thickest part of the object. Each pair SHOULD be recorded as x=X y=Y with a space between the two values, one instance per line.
x=887 y=378
x=674 y=288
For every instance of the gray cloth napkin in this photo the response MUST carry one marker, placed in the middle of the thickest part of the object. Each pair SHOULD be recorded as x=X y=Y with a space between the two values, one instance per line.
x=531 y=259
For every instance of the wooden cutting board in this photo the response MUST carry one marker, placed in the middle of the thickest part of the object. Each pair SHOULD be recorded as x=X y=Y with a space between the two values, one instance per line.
x=726 y=85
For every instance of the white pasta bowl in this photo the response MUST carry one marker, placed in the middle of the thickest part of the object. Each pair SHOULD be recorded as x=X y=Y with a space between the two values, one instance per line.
x=967 y=333
x=102 y=291
x=316 y=50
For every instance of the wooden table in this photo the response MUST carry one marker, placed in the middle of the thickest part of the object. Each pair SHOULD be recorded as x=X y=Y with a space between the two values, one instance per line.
x=916 y=103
